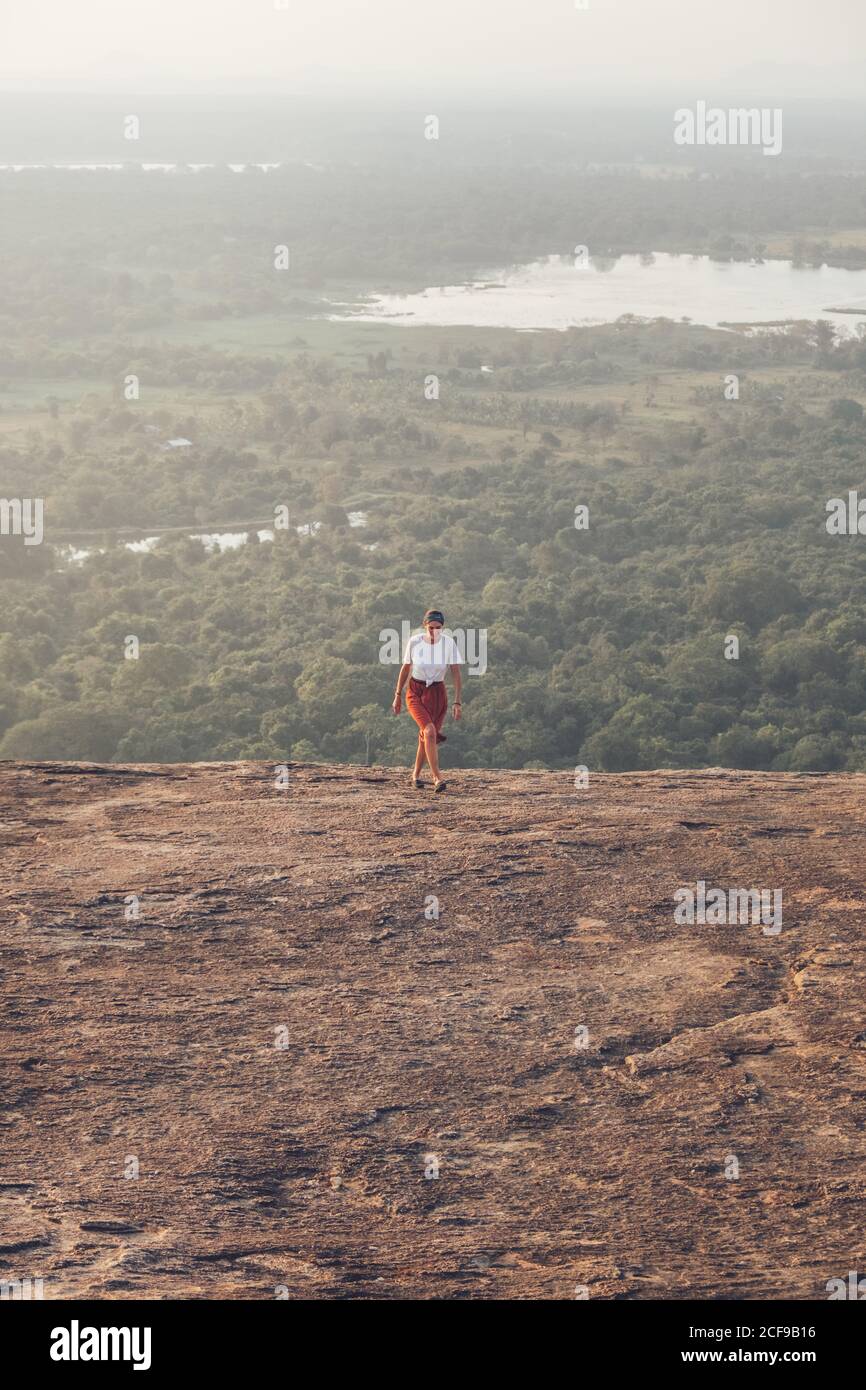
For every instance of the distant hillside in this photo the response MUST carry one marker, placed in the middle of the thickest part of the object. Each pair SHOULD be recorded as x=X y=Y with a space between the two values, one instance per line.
x=249 y=1087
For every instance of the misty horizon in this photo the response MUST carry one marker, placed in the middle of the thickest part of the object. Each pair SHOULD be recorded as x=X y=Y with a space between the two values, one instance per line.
x=621 y=50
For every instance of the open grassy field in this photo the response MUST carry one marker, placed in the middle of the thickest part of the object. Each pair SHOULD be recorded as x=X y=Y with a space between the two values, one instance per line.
x=656 y=393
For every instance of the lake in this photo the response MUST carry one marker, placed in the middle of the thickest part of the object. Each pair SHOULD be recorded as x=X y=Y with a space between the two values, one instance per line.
x=555 y=293
x=213 y=541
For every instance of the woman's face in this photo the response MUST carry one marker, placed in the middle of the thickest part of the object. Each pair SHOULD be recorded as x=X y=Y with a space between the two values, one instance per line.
x=433 y=631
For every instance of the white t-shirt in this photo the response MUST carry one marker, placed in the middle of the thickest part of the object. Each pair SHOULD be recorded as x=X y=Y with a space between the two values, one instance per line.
x=430 y=660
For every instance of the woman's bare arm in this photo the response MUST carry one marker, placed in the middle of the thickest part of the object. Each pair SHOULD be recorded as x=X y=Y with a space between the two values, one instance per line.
x=458 y=686
x=401 y=681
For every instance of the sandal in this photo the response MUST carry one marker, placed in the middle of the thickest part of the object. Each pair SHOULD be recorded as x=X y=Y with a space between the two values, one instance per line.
x=417 y=783
x=439 y=786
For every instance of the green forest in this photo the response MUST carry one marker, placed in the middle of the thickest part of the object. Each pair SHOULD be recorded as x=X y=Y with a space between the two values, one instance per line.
x=607 y=645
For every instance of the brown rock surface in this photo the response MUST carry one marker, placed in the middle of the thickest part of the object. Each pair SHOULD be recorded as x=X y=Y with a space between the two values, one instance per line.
x=282 y=1037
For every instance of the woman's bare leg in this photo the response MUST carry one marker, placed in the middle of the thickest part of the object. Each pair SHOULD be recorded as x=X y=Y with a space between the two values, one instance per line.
x=420 y=760
x=431 y=750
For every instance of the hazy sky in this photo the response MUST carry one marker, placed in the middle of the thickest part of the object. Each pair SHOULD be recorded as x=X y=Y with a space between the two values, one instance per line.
x=508 y=47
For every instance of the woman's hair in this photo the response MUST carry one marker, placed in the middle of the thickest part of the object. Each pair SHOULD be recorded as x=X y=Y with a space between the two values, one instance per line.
x=433 y=616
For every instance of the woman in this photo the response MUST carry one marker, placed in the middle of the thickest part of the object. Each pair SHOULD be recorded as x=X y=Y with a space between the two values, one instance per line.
x=427 y=657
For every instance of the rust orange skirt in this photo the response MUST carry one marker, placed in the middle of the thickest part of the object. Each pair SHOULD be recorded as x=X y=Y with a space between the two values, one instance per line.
x=427 y=704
